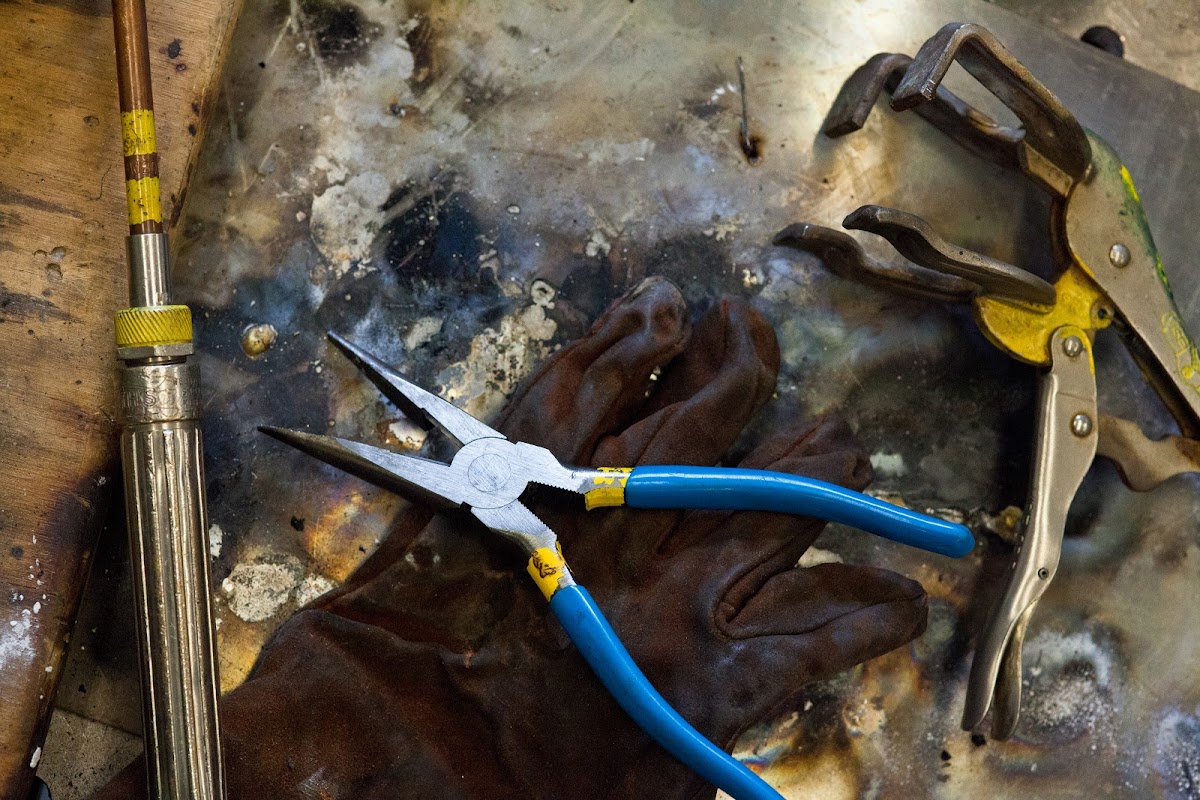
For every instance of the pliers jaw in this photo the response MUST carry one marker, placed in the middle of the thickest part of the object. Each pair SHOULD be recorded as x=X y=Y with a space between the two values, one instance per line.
x=1050 y=147
x=946 y=111
x=844 y=257
x=915 y=239
x=408 y=476
x=487 y=475
x=419 y=405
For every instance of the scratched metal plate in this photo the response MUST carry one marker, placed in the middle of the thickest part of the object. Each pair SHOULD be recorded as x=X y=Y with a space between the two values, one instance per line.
x=462 y=187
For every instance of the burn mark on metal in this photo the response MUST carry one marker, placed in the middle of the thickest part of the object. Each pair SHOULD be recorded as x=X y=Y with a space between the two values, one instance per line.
x=86 y=8
x=421 y=43
x=699 y=265
x=340 y=30
x=16 y=307
x=11 y=196
x=435 y=238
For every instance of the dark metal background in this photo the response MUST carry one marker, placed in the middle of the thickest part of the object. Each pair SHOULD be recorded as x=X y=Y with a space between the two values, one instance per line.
x=462 y=187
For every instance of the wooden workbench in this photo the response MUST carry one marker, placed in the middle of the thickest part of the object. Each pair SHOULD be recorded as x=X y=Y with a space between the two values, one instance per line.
x=62 y=275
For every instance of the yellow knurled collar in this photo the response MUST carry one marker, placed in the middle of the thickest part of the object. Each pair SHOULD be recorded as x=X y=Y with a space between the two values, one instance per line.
x=149 y=326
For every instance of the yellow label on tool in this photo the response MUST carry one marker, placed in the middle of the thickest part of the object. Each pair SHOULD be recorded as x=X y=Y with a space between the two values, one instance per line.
x=547 y=568
x=137 y=132
x=610 y=488
x=142 y=196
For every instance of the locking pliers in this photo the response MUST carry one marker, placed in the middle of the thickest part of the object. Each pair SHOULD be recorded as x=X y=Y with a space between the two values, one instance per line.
x=1109 y=275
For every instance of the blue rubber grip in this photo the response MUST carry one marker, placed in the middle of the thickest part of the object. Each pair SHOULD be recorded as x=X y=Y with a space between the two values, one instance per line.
x=609 y=659
x=760 y=490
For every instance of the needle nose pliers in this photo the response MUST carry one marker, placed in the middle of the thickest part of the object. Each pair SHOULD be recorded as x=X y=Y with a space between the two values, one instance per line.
x=488 y=475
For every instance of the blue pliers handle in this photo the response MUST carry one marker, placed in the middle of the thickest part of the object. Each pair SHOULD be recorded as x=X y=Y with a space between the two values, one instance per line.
x=488 y=475
x=762 y=490
x=608 y=658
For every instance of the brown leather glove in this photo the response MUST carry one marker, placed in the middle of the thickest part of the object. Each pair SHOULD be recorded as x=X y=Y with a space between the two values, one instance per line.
x=437 y=670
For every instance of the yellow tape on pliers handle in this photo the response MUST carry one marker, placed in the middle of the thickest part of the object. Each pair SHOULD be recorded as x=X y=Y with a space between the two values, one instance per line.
x=548 y=569
x=610 y=488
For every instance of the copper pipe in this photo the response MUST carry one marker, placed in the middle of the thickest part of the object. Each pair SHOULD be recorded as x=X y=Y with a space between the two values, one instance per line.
x=137 y=117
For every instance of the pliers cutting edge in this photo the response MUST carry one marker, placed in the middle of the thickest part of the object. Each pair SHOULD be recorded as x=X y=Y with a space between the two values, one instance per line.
x=489 y=473
x=1110 y=274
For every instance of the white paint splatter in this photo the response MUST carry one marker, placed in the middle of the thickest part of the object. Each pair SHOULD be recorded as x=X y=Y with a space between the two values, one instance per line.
x=723 y=229
x=498 y=361
x=346 y=217
x=815 y=555
x=408 y=433
x=257 y=590
x=597 y=243
x=889 y=465
x=215 y=540
x=424 y=329
x=36 y=758
x=866 y=718
x=16 y=643
x=312 y=587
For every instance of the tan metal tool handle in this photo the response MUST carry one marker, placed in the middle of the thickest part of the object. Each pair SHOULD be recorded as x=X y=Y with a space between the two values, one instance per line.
x=163 y=465
x=1063 y=451
x=164 y=499
x=1116 y=251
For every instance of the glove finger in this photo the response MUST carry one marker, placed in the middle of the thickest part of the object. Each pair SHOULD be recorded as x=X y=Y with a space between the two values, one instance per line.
x=596 y=385
x=705 y=397
x=802 y=625
x=822 y=448
x=809 y=624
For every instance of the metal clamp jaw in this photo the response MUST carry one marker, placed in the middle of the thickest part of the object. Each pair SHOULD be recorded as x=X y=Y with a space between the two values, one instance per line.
x=1050 y=147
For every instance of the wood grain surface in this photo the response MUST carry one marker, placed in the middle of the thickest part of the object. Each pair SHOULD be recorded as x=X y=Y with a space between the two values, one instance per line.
x=62 y=275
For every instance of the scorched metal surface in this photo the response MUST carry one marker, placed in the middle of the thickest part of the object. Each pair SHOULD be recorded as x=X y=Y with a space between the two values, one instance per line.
x=462 y=187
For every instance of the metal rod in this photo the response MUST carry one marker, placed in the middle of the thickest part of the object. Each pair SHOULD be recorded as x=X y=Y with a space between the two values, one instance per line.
x=163 y=465
x=137 y=117
x=749 y=145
